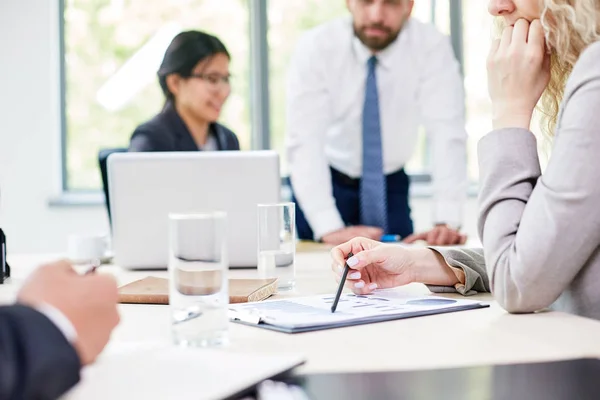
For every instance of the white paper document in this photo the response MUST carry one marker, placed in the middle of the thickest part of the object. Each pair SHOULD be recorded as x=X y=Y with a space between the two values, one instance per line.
x=315 y=311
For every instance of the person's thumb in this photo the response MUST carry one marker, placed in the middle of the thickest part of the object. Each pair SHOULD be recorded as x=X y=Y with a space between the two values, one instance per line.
x=365 y=258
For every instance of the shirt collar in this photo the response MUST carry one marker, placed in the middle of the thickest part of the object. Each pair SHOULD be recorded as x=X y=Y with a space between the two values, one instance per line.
x=361 y=51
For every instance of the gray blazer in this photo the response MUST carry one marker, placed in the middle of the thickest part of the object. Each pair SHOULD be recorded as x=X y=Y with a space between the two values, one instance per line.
x=541 y=233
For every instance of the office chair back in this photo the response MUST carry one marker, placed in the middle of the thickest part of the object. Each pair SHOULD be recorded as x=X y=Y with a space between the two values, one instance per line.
x=102 y=161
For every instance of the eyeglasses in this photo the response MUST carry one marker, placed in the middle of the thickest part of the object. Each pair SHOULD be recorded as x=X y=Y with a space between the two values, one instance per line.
x=215 y=81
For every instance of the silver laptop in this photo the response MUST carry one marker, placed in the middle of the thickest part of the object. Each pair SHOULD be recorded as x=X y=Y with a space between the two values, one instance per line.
x=145 y=187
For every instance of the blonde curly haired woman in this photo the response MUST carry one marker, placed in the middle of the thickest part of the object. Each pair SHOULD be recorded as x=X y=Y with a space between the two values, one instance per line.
x=540 y=233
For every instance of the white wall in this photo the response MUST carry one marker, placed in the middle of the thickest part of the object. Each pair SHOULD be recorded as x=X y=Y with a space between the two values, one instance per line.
x=30 y=132
x=30 y=136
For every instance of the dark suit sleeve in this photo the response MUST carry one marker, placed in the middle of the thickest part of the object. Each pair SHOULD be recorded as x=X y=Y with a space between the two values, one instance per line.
x=143 y=140
x=231 y=139
x=36 y=360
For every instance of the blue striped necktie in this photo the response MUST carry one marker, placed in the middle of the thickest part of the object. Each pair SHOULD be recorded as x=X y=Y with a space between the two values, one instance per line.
x=373 y=191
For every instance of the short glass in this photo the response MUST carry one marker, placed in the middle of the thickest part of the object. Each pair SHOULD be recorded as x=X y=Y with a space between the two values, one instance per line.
x=277 y=243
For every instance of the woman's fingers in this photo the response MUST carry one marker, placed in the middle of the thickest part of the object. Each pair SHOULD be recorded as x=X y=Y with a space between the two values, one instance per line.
x=520 y=33
x=367 y=258
x=337 y=268
x=536 y=34
x=495 y=46
x=354 y=281
x=339 y=253
x=353 y=275
x=361 y=287
x=338 y=271
x=506 y=38
x=352 y=284
x=537 y=42
x=355 y=246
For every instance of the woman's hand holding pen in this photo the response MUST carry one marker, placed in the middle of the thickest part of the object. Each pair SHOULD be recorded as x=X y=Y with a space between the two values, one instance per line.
x=382 y=266
x=518 y=73
x=373 y=266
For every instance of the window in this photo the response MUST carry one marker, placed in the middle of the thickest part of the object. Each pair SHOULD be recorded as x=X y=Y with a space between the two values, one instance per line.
x=477 y=36
x=112 y=51
x=288 y=19
x=436 y=12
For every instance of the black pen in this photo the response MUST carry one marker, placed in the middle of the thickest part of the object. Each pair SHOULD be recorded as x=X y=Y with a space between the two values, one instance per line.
x=342 y=282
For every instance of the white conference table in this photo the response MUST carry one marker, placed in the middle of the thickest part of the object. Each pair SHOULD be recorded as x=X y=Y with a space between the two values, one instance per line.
x=466 y=338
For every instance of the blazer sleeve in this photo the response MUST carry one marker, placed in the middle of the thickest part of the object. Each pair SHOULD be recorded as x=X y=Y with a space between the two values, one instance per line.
x=229 y=138
x=235 y=142
x=472 y=264
x=36 y=360
x=144 y=140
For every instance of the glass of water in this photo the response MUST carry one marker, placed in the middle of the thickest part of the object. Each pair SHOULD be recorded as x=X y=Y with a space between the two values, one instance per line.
x=198 y=285
x=277 y=243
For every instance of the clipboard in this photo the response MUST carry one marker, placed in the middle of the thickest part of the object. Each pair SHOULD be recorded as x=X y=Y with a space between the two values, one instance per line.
x=153 y=290
x=262 y=316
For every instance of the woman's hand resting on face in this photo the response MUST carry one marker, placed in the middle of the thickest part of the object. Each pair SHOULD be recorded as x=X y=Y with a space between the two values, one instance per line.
x=518 y=73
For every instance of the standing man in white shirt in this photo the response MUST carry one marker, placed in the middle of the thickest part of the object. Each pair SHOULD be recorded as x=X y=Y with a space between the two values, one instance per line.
x=358 y=90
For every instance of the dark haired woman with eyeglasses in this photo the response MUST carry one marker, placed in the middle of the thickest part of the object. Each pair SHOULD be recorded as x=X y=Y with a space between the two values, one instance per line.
x=194 y=77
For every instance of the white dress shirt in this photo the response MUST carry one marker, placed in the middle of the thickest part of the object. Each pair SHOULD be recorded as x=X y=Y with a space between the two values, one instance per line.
x=419 y=82
x=211 y=144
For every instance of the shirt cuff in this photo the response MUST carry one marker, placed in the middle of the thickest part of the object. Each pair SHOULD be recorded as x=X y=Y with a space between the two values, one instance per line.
x=325 y=222
x=60 y=320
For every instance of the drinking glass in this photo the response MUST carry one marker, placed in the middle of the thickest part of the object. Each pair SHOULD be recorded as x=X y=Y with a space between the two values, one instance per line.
x=198 y=285
x=277 y=243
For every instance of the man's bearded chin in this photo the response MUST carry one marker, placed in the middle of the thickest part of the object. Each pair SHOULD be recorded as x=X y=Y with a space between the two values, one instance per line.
x=376 y=43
